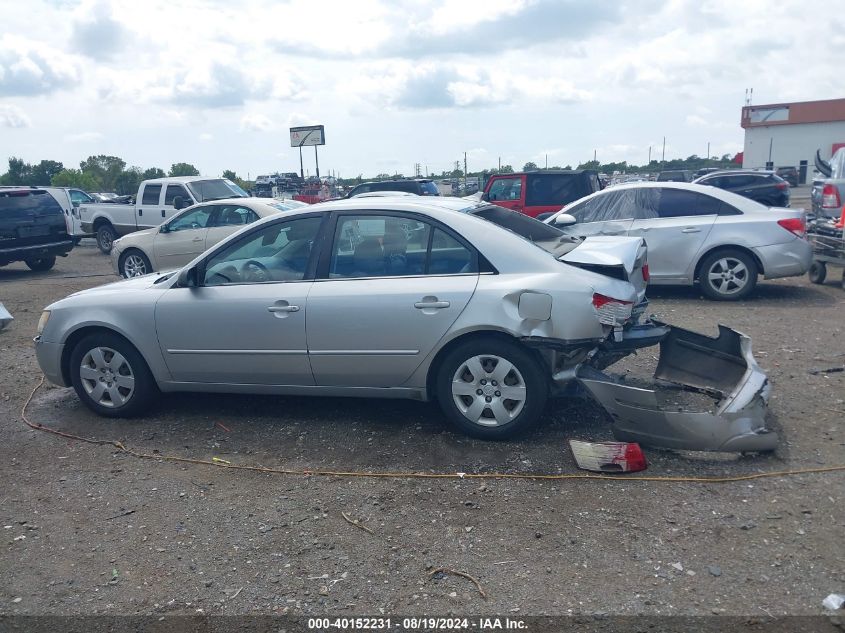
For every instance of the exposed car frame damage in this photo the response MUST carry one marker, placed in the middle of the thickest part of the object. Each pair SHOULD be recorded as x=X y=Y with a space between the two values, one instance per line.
x=723 y=367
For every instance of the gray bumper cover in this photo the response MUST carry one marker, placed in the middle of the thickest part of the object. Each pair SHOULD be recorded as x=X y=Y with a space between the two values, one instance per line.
x=722 y=366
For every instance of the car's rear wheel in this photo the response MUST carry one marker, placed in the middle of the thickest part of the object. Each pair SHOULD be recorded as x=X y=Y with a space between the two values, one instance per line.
x=134 y=263
x=817 y=272
x=491 y=388
x=728 y=275
x=110 y=376
x=105 y=238
x=41 y=264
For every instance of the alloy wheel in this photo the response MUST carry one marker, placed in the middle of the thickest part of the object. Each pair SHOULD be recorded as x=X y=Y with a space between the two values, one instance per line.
x=728 y=275
x=134 y=266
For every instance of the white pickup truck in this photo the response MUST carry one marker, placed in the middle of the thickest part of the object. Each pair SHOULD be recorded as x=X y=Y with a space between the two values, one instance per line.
x=157 y=200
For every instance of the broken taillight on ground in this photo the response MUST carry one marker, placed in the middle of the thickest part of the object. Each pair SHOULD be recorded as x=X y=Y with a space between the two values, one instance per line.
x=608 y=457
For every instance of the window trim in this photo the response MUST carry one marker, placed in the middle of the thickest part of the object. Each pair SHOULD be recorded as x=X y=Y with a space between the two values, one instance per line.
x=324 y=263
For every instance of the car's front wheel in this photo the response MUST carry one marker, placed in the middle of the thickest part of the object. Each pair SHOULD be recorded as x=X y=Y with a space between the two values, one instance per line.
x=491 y=388
x=133 y=263
x=728 y=275
x=42 y=264
x=817 y=272
x=110 y=376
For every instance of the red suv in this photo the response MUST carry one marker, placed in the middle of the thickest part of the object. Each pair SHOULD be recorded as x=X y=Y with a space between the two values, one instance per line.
x=540 y=193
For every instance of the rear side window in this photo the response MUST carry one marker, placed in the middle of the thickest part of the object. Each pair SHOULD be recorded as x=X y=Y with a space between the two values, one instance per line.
x=171 y=192
x=675 y=203
x=151 y=194
x=556 y=189
x=19 y=205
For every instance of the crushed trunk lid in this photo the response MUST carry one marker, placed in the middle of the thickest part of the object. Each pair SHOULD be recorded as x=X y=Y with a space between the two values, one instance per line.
x=723 y=368
x=613 y=256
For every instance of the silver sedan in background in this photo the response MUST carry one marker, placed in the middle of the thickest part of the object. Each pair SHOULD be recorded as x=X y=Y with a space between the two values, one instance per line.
x=189 y=233
x=400 y=298
x=697 y=233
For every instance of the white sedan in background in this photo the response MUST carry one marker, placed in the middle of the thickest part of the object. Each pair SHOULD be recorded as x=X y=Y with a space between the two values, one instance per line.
x=189 y=233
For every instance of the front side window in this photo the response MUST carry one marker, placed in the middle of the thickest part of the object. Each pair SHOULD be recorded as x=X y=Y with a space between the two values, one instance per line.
x=505 y=189
x=216 y=189
x=80 y=197
x=616 y=205
x=193 y=219
x=277 y=252
x=152 y=193
x=172 y=192
x=429 y=189
x=232 y=215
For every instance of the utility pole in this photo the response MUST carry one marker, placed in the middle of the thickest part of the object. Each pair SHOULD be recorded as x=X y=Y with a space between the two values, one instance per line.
x=708 y=150
x=594 y=156
x=649 y=154
x=547 y=161
x=663 y=155
x=500 y=165
x=465 y=171
x=317 y=162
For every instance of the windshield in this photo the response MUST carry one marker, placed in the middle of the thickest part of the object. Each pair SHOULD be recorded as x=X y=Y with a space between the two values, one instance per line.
x=215 y=189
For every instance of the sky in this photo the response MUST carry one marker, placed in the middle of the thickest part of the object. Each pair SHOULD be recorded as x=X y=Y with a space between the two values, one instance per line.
x=219 y=84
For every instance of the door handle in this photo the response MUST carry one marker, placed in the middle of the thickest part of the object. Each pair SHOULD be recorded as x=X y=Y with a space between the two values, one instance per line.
x=140 y=212
x=162 y=213
x=197 y=239
x=691 y=229
x=429 y=305
x=282 y=308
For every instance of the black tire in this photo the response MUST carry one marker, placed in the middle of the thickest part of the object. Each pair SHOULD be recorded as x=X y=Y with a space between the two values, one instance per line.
x=817 y=272
x=843 y=280
x=143 y=391
x=106 y=236
x=728 y=289
x=134 y=260
x=529 y=376
x=41 y=264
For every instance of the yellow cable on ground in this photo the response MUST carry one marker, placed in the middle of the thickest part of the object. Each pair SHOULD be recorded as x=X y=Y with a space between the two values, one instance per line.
x=409 y=475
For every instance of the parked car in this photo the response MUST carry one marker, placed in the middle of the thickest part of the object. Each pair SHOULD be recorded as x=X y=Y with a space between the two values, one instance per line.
x=765 y=187
x=157 y=200
x=540 y=193
x=698 y=173
x=789 y=174
x=188 y=233
x=418 y=186
x=828 y=193
x=69 y=200
x=675 y=175
x=486 y=321
x=697 y=233
x=33 y=228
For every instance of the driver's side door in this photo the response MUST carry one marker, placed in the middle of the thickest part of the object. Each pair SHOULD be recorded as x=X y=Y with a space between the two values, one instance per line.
x=182 y=238
x=244 y=324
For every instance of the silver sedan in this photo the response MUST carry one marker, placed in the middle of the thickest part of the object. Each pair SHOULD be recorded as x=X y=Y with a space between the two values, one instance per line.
x=697 y=233
x=189 y=233
x=384 y=297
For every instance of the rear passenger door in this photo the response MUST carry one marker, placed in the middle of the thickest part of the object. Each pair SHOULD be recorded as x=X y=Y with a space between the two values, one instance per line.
x=148 y=207
x=675 y=226
x=388 y=289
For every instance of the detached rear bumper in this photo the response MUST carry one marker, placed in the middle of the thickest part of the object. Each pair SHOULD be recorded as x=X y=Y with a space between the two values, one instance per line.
x=722 y=367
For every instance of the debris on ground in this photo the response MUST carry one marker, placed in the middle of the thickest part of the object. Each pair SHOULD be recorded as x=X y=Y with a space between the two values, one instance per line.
x=834 y=601
x=608 y=457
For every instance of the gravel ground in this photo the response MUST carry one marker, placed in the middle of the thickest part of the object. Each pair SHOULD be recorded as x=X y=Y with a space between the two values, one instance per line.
x=89 y=530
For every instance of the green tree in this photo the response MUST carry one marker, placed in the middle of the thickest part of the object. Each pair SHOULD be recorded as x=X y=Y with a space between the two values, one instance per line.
x=183 y=169
x=506 y=169
x=74 y=178
x=230 y=175
x=529 y=166
x=104 y=169
x=20 y=172
x=43 y=172
x=128 y=181
x=153 y=172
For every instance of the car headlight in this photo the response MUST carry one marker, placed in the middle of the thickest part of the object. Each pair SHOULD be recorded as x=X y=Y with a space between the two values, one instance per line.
x=42 y=322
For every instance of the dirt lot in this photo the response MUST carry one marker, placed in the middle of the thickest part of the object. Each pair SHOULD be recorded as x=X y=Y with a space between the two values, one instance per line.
x=88 y=530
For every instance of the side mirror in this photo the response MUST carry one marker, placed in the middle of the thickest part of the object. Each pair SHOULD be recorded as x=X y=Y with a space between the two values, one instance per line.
x=188 y=277
x=564 y=219
x=179 y=203
x=164 y=228
x=75 y=204
x=485 y=197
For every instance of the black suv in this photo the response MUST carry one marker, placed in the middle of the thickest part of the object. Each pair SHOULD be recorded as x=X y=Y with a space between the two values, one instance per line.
x=765 y=187
x=789 y=174
x=32 y=228
x=419 y=186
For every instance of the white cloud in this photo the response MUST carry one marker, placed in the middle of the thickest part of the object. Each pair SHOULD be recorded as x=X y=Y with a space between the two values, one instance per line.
x=83 y=137
x=29 y=67
x=694 y=119
x=96 y=32
x=13 y=116
x=256 y=123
